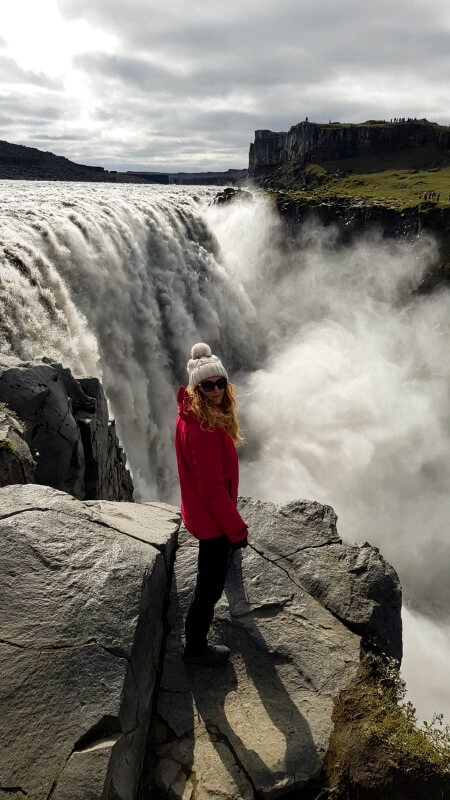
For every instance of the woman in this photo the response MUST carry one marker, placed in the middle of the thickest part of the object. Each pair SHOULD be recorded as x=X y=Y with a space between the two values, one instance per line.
x=207 y=431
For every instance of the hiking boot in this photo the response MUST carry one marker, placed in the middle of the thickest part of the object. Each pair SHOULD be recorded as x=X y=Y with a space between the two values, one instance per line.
x=213 y=655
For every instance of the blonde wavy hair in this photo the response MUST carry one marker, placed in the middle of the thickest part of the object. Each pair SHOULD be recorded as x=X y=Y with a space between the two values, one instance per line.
x=212 y=416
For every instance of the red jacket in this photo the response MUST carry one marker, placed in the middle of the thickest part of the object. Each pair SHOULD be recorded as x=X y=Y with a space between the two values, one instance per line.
x=209 y=476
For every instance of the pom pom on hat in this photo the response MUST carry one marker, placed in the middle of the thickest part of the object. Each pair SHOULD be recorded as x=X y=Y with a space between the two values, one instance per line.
x=203 y=364
x=200 y=349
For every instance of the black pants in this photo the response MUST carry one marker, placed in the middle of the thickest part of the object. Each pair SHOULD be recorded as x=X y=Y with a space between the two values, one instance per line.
x=213 y=555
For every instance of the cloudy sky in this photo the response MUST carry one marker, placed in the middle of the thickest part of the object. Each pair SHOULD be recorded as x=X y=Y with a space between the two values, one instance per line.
x=151 y=84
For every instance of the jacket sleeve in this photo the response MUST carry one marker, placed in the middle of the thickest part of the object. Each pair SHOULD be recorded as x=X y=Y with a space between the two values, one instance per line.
x=207 y=463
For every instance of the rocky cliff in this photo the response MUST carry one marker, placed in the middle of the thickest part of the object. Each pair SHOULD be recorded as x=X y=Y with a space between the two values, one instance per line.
x=82 y=592
x=309 y=142
x=96 y=702
x=298 y=610
x=351 y=217
x=61 y=435
x=92 y=679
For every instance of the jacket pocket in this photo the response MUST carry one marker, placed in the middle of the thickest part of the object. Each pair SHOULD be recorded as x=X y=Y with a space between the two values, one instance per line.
x=229 y=487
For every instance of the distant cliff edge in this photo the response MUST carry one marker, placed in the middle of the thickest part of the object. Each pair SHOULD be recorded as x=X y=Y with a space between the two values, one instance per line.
x=316 y=143
x=18 y=162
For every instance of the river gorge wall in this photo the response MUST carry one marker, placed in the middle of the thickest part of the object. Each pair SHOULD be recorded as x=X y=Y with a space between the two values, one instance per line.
x=309 y=142
x=353 y=218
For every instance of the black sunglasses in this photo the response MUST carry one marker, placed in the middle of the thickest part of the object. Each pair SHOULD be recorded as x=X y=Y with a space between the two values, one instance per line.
x=208 y=386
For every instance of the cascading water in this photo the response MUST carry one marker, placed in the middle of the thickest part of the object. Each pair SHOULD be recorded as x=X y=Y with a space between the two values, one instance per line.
x=117 y=281
x=342 y=373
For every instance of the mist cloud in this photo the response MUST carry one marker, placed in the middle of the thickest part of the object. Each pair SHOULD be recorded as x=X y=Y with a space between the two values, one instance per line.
x=351 y=406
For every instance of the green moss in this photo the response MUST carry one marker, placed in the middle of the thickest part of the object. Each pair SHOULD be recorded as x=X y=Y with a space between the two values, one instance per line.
x=396 y=722
x=377 y=701
x=5 y=409
x=6 y=444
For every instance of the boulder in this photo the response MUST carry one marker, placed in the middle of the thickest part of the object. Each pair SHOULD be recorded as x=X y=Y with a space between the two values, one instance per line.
x=81 y=625
x=354 y=582
x=261 y=726
x=67 y=429
x=16 y=462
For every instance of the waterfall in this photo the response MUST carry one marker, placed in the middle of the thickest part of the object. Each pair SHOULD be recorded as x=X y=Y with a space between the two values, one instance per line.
x=119 y=281
x=342 y=371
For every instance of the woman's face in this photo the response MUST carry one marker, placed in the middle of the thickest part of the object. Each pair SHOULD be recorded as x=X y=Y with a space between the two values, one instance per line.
x=216 y=396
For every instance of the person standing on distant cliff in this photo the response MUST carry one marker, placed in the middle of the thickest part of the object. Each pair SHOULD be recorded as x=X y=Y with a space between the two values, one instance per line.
x=206 y=434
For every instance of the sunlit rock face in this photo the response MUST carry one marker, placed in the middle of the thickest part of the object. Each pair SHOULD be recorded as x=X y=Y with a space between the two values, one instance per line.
x=294 y=598
x=81 y=626
x=67 y=429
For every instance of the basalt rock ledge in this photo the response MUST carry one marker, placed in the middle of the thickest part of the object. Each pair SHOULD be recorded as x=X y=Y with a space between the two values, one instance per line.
x=64 y=422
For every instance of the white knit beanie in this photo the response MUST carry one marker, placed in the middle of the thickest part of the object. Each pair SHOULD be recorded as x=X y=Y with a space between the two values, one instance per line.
x=203 y=364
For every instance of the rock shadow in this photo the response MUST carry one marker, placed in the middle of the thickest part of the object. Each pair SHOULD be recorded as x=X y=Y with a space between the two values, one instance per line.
x=293 y=759
x=235 y=729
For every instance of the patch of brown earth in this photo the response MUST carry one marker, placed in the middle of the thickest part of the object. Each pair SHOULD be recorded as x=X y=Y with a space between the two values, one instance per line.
x=364 y=764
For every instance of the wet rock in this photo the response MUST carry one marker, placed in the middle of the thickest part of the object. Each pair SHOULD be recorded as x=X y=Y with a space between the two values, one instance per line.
x=67 y=429
x=230 y=195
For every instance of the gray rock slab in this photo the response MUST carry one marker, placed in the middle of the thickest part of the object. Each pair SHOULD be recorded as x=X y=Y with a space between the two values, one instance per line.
x=86 y=771
x=154 y=523
x=261 y=725
x=80 y=630
x=49 y=700
x=354 y=582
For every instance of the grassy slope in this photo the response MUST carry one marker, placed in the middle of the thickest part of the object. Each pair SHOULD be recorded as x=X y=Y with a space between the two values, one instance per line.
x=395 y=179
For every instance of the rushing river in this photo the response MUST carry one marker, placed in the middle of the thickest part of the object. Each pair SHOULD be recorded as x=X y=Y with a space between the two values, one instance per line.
x=342 y=373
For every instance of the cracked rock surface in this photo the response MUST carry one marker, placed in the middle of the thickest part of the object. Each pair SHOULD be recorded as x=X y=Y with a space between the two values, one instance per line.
x=81 y=623
x=354 y=582
x=67 y=429
x=260 y=726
